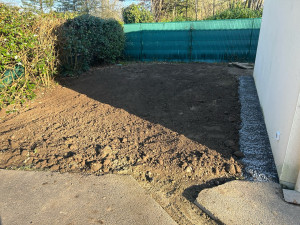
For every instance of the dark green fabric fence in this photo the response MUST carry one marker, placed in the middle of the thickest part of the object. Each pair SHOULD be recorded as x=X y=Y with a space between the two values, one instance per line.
x=203 y=41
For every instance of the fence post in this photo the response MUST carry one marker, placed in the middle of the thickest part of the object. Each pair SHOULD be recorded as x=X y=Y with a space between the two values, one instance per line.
x=141 y=41
x=191 y=41
x=251 y=36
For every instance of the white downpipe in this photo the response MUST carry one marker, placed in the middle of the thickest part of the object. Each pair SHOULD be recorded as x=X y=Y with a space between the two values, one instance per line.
x=297 y=186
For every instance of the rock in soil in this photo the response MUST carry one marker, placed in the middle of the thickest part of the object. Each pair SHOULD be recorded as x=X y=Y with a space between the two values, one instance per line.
x=229 y=143
x=230 y=168
x=239 y=154
x=96 y=166
x=54 y=168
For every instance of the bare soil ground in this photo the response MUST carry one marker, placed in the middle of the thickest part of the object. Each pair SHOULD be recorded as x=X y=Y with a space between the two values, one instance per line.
x=173 y=127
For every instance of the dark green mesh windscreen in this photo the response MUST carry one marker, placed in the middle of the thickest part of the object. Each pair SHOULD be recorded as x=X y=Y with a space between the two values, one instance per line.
x=206 y=41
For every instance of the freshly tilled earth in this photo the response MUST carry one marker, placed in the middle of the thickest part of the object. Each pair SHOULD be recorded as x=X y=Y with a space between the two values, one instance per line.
x=173 y=127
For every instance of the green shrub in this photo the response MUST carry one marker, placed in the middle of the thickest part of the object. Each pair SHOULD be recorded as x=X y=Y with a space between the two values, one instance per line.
x=137 y=14
x=238 y=12
x=27 y=54
x=16 y=35
x=33 y=47
x=87 y=40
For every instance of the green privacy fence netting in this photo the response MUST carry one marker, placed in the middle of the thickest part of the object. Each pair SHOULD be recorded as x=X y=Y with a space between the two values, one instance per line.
x=205 y=41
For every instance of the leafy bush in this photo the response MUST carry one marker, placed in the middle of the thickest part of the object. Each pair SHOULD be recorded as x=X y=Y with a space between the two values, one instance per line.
x=27 y=54
x=137 y=14
x=87 y=40
x=238 y=12
x=34 y=47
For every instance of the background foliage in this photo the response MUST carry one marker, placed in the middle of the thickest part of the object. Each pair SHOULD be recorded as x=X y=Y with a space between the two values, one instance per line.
x=38 y=6
x=104 y=9
x=190 y=10
x=238 y=12
x=137 y=14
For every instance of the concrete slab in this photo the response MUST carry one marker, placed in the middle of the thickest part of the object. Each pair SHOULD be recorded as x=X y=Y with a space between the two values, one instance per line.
x=291 y=196
x=29 y=197
x=246 y=202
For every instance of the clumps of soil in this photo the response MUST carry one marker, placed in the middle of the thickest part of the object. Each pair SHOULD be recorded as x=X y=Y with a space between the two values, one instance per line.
x=170 y=126
x=173 y=154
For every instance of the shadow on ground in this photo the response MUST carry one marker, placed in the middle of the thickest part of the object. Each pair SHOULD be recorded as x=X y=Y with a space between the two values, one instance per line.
x=197 y=100
x=191 y=193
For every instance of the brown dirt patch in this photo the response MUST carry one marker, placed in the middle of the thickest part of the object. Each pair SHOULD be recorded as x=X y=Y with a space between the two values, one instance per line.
x=173 y=127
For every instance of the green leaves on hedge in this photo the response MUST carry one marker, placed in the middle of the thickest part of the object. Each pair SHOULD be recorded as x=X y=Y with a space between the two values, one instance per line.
x=87 y=40
x=33 y=46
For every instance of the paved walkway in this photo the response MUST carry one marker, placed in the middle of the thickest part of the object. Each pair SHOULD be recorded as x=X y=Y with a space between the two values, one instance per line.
x=29 y=197
x=246 y=202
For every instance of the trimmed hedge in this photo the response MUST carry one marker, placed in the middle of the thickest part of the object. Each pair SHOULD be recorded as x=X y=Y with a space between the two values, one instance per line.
x=87 y=40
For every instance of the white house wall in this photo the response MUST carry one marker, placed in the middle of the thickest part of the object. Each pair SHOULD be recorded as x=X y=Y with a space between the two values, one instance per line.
x=277 y=78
